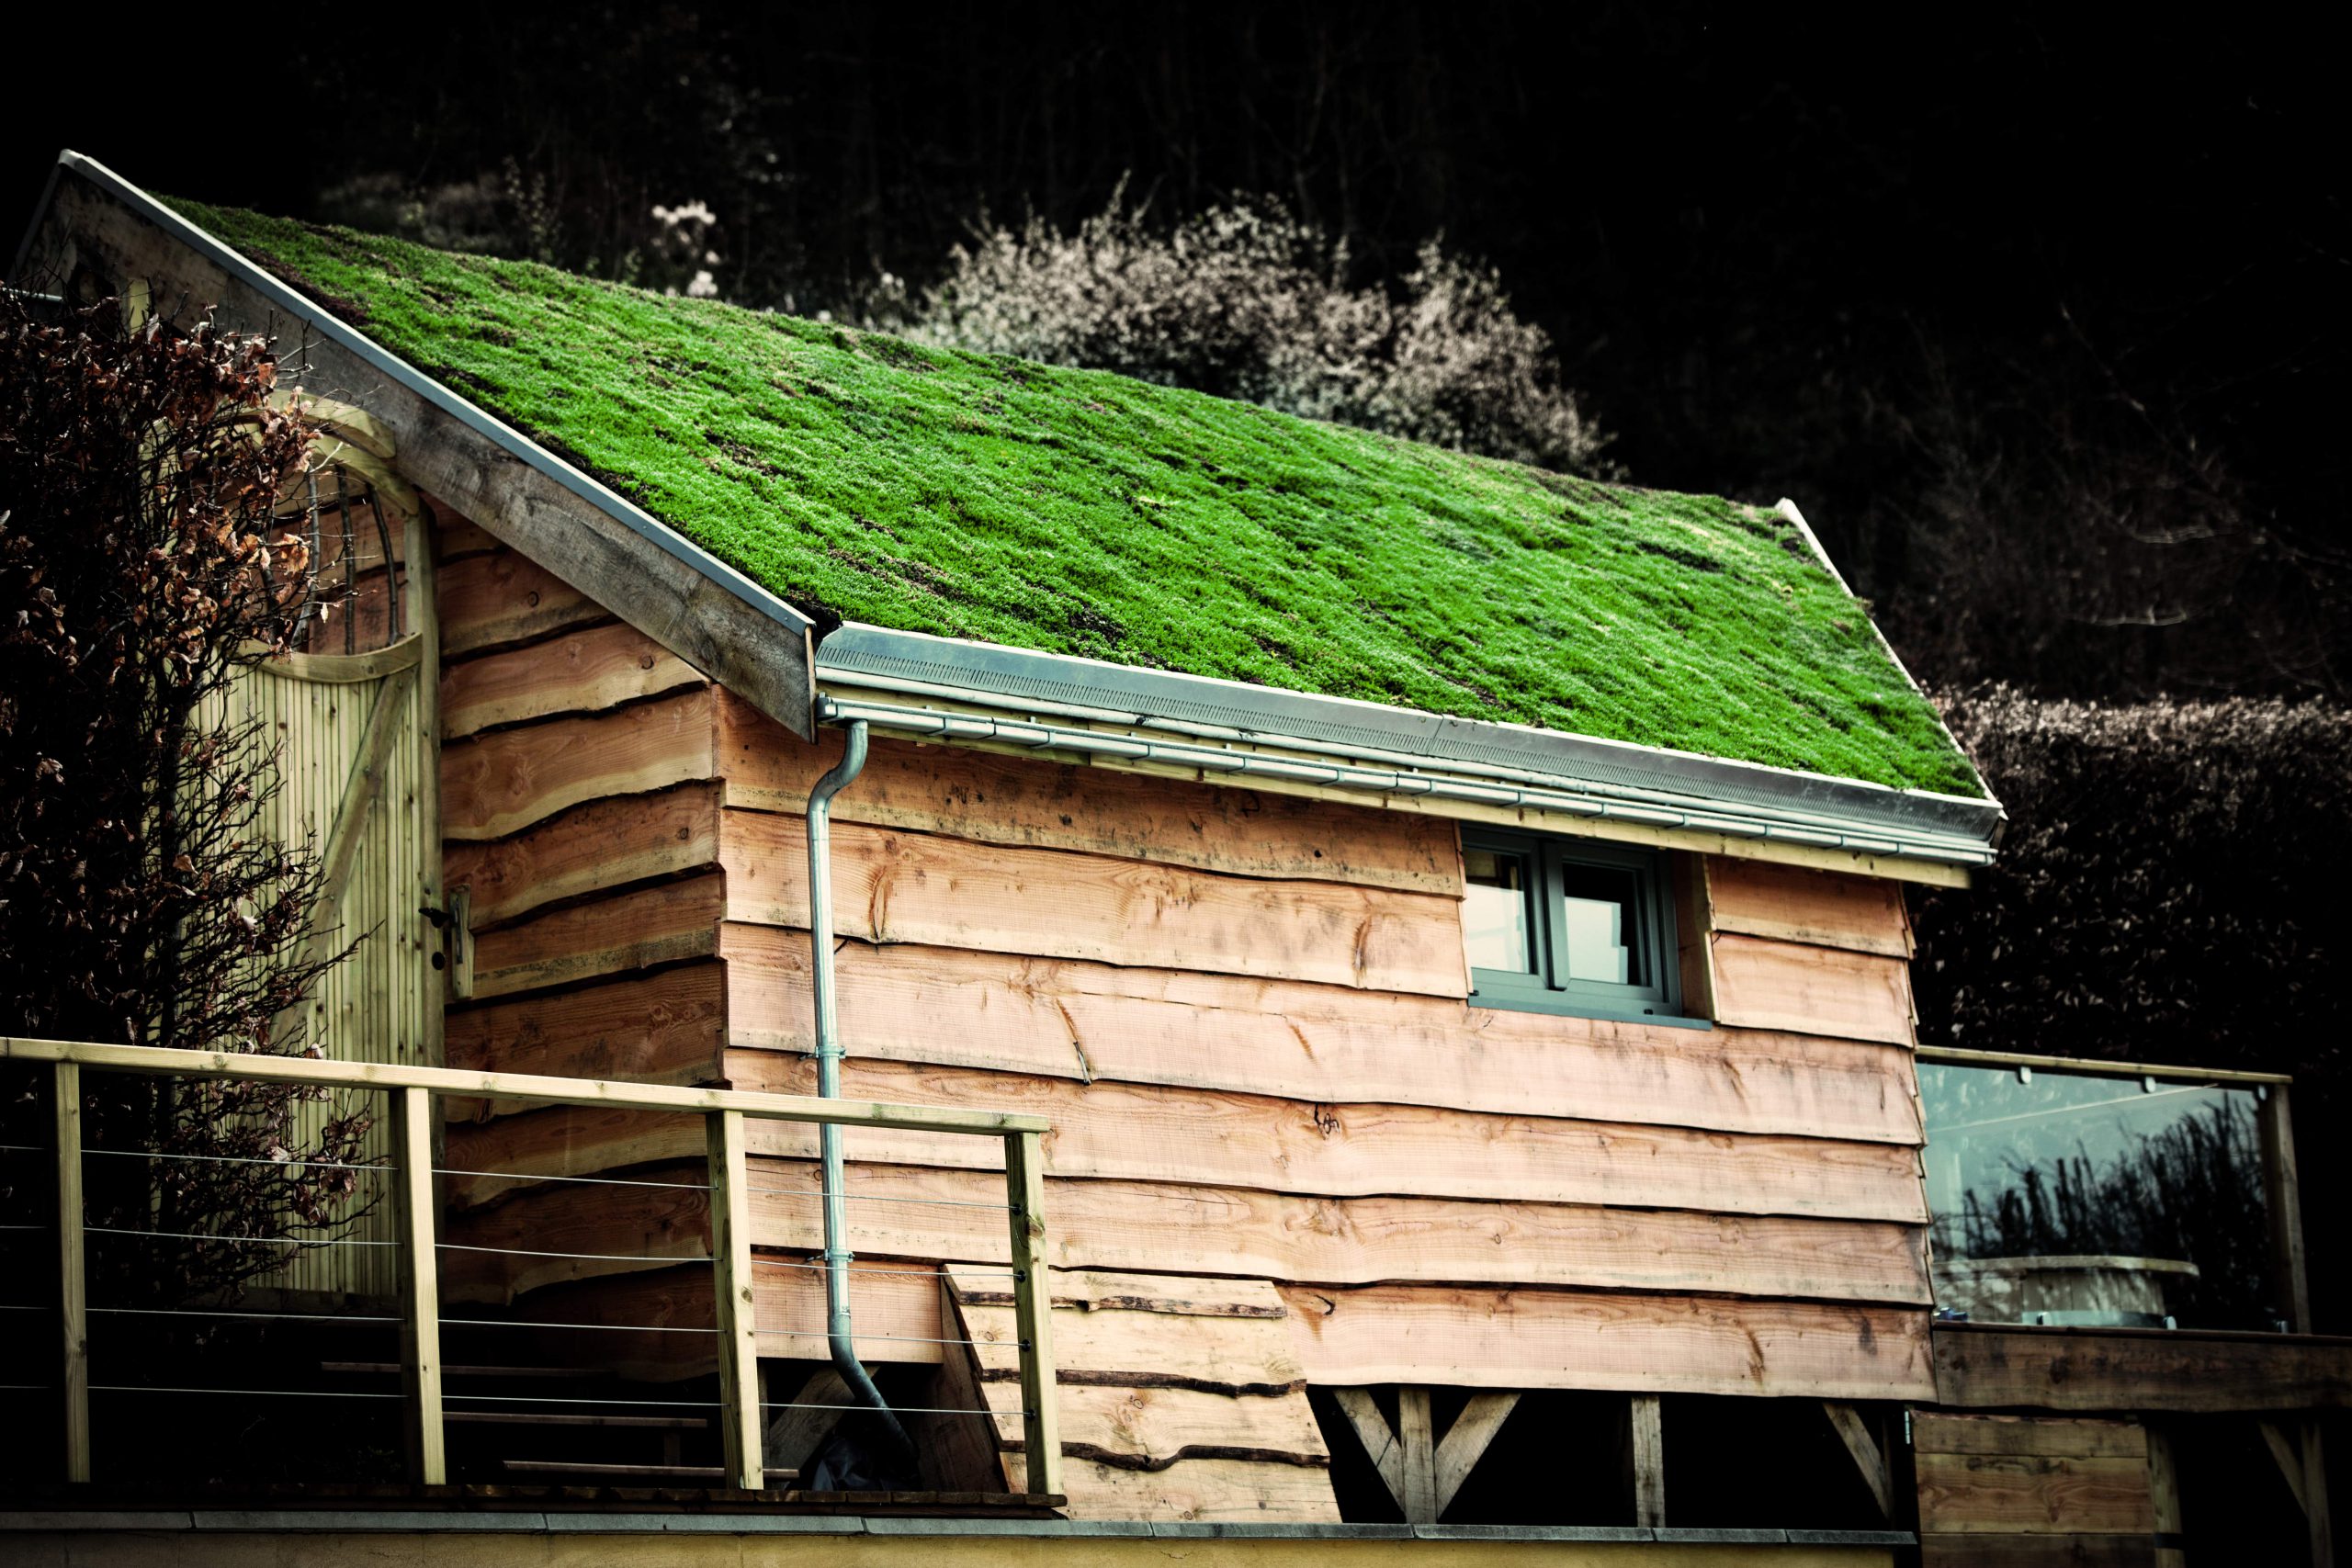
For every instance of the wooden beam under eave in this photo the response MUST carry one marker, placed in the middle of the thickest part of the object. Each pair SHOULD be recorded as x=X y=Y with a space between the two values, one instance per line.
x=765 y=661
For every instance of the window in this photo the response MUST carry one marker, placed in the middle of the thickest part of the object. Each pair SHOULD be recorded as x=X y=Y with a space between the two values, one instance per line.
x=1565 y=925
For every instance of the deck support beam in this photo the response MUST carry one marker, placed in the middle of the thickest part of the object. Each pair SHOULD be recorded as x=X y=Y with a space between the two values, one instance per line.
x=1646 y=1458
x=1422 y=1472
x=2296 y=1446
x=1854 y=1427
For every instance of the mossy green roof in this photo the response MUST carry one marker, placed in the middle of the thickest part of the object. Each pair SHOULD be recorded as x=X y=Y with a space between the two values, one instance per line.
x=867 y=479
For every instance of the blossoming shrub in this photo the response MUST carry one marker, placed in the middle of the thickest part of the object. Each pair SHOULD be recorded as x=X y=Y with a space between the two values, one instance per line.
x=1246 y=300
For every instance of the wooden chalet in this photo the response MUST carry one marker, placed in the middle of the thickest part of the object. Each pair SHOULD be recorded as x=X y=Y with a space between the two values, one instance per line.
x=1459 y=1127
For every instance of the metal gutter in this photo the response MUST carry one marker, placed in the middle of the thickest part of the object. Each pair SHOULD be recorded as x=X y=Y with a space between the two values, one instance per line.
x=871 y=672
x=597 y=494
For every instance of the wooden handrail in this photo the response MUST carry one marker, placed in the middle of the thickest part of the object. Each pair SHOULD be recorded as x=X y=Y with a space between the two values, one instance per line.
x=1959 y=1057
x=412 y=1090
x=536 y=1088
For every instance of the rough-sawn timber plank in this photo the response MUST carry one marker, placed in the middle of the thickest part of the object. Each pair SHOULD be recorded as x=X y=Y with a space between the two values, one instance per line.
x=924 y=1213
x=2098 y=1370
x=1313 y=1043
x=987 y=797
x=1487 y=1338
x=504 y=597
x=1820 y=908
x=600 y=844
x=499 y=783
x=663 y=923
x=1144 y=1132
x=1764 y=984
x=1941 y=1432
x=585 y=671
x=665 y=1027
x=2034 y=1493
x=896 y=886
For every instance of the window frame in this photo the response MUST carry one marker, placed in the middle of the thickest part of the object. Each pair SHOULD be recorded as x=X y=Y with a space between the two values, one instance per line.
x=1655 y=999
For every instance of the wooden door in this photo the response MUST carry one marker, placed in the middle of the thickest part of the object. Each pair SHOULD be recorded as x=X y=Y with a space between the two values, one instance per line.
x=357 y=735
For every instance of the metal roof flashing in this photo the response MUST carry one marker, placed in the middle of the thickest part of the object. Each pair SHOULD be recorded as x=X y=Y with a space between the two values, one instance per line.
x=883 y=676
x=318 y=318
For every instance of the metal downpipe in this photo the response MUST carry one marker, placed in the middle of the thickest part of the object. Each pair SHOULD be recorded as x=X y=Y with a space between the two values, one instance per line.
x=829 y=1076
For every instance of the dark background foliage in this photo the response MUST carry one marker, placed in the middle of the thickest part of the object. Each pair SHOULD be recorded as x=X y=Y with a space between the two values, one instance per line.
x=142 y=900
x=2043 y=319
x=2169 y=892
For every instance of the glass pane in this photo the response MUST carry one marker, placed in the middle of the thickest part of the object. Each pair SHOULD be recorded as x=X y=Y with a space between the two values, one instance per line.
x=1494 y=912
x=1601 y=925
x=2092 y=1201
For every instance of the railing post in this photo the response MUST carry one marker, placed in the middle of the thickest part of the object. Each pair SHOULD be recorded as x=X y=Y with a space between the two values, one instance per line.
x=1033 y=1304
x=73 y=1271
x=2282 y=1192
x=738 y=1322
x=412 y=1148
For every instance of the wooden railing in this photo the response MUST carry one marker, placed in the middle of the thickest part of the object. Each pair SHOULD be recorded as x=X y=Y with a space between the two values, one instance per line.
x=412 y=1090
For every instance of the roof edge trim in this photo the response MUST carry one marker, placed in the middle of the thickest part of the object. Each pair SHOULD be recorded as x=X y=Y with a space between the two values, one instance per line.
x=589 y=489
x=1386 y=750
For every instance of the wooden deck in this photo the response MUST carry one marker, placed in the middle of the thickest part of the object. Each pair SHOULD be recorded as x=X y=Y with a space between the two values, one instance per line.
x=523 y=1537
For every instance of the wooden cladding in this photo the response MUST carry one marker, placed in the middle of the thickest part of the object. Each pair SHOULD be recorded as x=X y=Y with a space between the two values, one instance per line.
x=1817 y=909
x=503 y=782
x=2029 y=1490
x=1142 y=1449
x=1477 y=1338
x=1779 y=985
x=893 y=887
x=921 y=1212
x=496 y=599
x=600 y=668
x=667 y=1027
x=602 y=844
x=1315 y=1043
x=1807 y=951
x=985 y=798
x=661 y=923
x=1220 y=1138
x=1245 y=1016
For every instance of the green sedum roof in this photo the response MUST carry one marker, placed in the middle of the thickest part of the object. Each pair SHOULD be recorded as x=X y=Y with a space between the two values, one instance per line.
x=863 y=478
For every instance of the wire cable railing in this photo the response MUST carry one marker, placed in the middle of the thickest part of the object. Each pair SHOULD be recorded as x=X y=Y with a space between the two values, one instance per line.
x=424 y=1403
